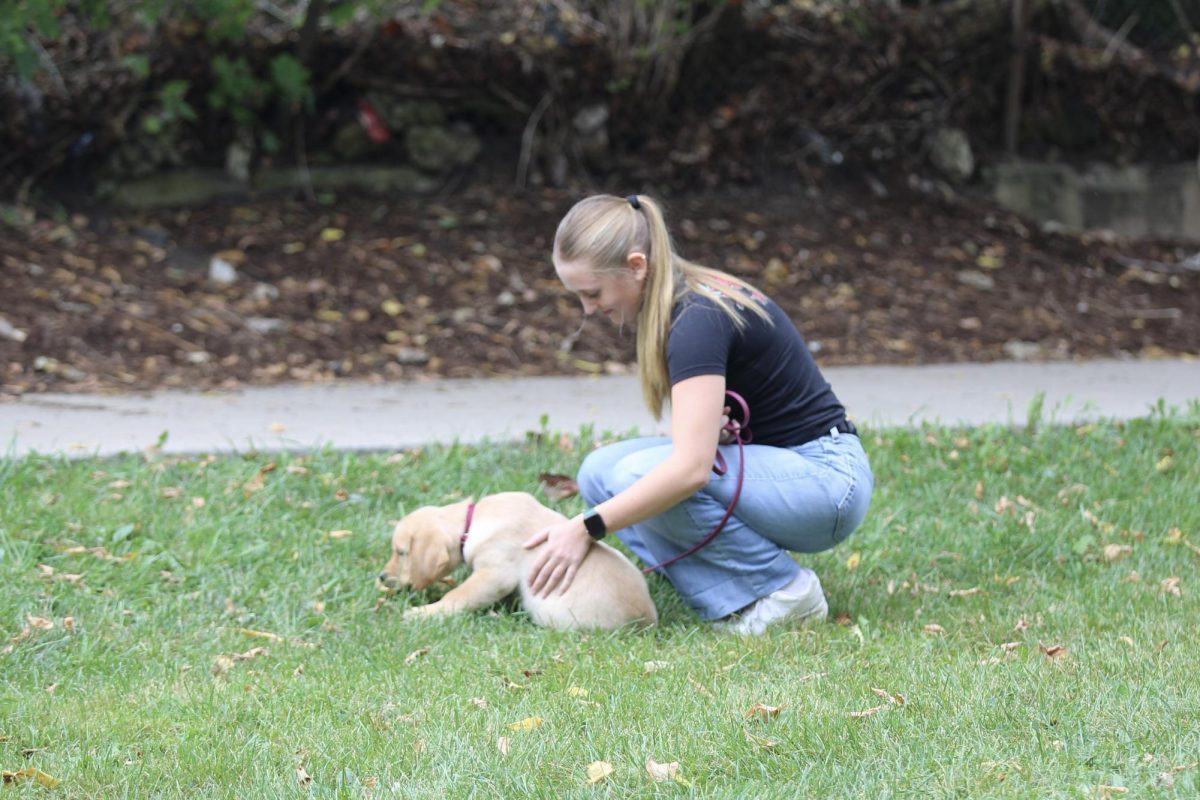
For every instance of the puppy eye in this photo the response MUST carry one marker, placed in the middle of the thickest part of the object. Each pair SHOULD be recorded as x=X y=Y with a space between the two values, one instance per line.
x=402 y=552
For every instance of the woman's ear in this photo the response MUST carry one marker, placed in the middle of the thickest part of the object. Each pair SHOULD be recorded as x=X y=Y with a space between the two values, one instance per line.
x=638 y=265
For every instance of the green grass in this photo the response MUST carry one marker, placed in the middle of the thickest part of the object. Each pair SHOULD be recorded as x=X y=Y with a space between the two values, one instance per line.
x=123 y=701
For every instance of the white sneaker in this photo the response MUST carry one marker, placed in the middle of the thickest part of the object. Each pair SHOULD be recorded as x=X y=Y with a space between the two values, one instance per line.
x=801 y=601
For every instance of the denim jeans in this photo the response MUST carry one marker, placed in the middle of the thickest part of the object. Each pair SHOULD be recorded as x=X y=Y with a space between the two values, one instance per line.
x=802 y=499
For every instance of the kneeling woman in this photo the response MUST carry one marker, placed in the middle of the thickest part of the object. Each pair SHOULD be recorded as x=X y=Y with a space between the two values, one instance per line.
x=700 y=333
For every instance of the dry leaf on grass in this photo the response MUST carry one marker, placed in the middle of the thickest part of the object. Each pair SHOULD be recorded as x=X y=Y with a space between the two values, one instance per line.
x=29 y=773
x=302 y=775
x=598 y=771
x=853 y=561
x=650 y=667
x=1054 y=651
x=225 y=663
x=933 y=629
x=661 y=773
x=1115 y=552
x=1171 y=586
x=764 y=712
x=527 y=724
x=502 y=744
x=340 y=534
x=558 y=487
x=412 y=657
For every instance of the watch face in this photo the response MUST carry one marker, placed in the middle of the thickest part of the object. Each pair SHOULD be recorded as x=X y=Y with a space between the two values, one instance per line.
x=594 y=524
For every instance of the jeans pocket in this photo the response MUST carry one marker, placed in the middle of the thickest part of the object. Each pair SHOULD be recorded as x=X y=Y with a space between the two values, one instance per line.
x=852 y=508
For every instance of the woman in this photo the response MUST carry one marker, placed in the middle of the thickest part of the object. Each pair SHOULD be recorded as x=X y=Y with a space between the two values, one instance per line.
x=701 y=332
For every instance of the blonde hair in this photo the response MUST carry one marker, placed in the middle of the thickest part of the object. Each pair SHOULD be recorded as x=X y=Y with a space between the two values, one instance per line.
x=602 y=230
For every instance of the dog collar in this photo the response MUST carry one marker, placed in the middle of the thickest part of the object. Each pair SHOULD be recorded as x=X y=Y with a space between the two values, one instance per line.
x=462 y=542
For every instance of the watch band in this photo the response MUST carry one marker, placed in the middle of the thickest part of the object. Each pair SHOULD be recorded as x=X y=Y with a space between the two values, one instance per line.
x=594 y=523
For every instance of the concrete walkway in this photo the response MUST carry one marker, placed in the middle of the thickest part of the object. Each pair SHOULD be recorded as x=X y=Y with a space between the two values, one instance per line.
x=363 y=416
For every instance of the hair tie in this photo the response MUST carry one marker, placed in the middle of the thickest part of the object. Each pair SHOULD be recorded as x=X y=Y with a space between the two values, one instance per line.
x=633 y=201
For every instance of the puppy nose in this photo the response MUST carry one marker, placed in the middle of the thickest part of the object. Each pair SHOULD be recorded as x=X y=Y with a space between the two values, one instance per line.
x=383 y=576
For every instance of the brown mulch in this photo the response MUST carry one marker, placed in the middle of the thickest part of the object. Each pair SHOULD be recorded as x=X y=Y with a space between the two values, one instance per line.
x=462 y=286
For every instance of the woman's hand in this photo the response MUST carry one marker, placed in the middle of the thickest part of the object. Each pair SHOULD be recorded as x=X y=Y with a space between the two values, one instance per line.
x=567 y=544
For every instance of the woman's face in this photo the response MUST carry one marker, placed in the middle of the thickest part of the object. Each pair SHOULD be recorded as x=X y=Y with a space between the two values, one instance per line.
x=617 y=293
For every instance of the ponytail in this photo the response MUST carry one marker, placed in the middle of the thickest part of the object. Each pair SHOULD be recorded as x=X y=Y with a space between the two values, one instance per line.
x=603 y=230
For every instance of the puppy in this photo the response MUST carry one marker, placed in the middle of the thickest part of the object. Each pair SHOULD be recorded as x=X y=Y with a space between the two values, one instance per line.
x=608 y=591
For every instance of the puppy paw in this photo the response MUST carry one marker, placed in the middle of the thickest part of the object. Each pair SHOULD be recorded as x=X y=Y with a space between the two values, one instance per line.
x=419 y=612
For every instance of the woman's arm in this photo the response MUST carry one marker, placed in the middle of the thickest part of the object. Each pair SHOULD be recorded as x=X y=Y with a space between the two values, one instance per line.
x=697 y=407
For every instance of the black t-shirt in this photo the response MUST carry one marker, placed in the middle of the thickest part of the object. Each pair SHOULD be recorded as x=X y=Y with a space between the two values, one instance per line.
x=768 y=365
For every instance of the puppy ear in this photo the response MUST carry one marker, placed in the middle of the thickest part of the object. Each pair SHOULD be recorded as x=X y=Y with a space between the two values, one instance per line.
x=428 y=559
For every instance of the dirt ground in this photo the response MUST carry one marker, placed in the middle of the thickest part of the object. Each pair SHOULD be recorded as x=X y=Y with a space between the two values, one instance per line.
x=462 y=286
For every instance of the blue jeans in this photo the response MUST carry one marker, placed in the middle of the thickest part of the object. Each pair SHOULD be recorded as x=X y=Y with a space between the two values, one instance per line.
x=803 y=499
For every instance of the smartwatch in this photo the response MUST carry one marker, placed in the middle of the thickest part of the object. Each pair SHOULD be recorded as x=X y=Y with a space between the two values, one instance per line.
x=594 y=524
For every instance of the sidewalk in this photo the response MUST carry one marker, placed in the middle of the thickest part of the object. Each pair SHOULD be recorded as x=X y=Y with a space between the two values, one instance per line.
x=363 y=416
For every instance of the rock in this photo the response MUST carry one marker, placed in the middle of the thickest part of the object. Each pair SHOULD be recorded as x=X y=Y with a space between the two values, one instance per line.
x=1022 y=351
x=976 y=280
x=950 y=152
x=411 y=355
x=351 y=142
x=591 y=128
x=237 y=160
x=265 y=325
x=221 y=272
x=9 y=332
x=439 y=149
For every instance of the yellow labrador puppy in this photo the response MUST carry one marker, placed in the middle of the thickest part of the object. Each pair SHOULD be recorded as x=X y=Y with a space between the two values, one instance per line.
x=608 y=591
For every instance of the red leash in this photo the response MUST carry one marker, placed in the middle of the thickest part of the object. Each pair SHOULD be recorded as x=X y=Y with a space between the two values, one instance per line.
x=741 y=434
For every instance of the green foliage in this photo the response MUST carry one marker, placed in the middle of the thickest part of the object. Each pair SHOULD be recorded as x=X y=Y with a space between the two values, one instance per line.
x=236 y=89
x=292 y=79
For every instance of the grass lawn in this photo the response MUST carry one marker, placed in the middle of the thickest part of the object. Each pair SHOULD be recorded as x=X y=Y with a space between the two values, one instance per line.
x=1017 y=618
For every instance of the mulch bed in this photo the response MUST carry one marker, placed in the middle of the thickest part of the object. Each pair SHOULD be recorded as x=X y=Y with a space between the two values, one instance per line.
x=462 y=286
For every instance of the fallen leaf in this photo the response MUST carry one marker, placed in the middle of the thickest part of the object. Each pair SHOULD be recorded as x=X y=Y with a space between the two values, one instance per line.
x=933 y=629
x=527 y=724
x=868 y=712
x=661 y=773
x=699 y=687
x=1171 y=586
x=1054 y=651
x=965 y=592
x=502 y=745
x=1115 y=552
x=340 y=534
x=273 y=637
x=760 y=711
x=853 y=561
x=412 y=657
x=598 y=771
x=558 y=487
x=650 y=667
x=1174 y=536
x=302 y=775
x=40 y=623
x=27 y=773
x=332 y=235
